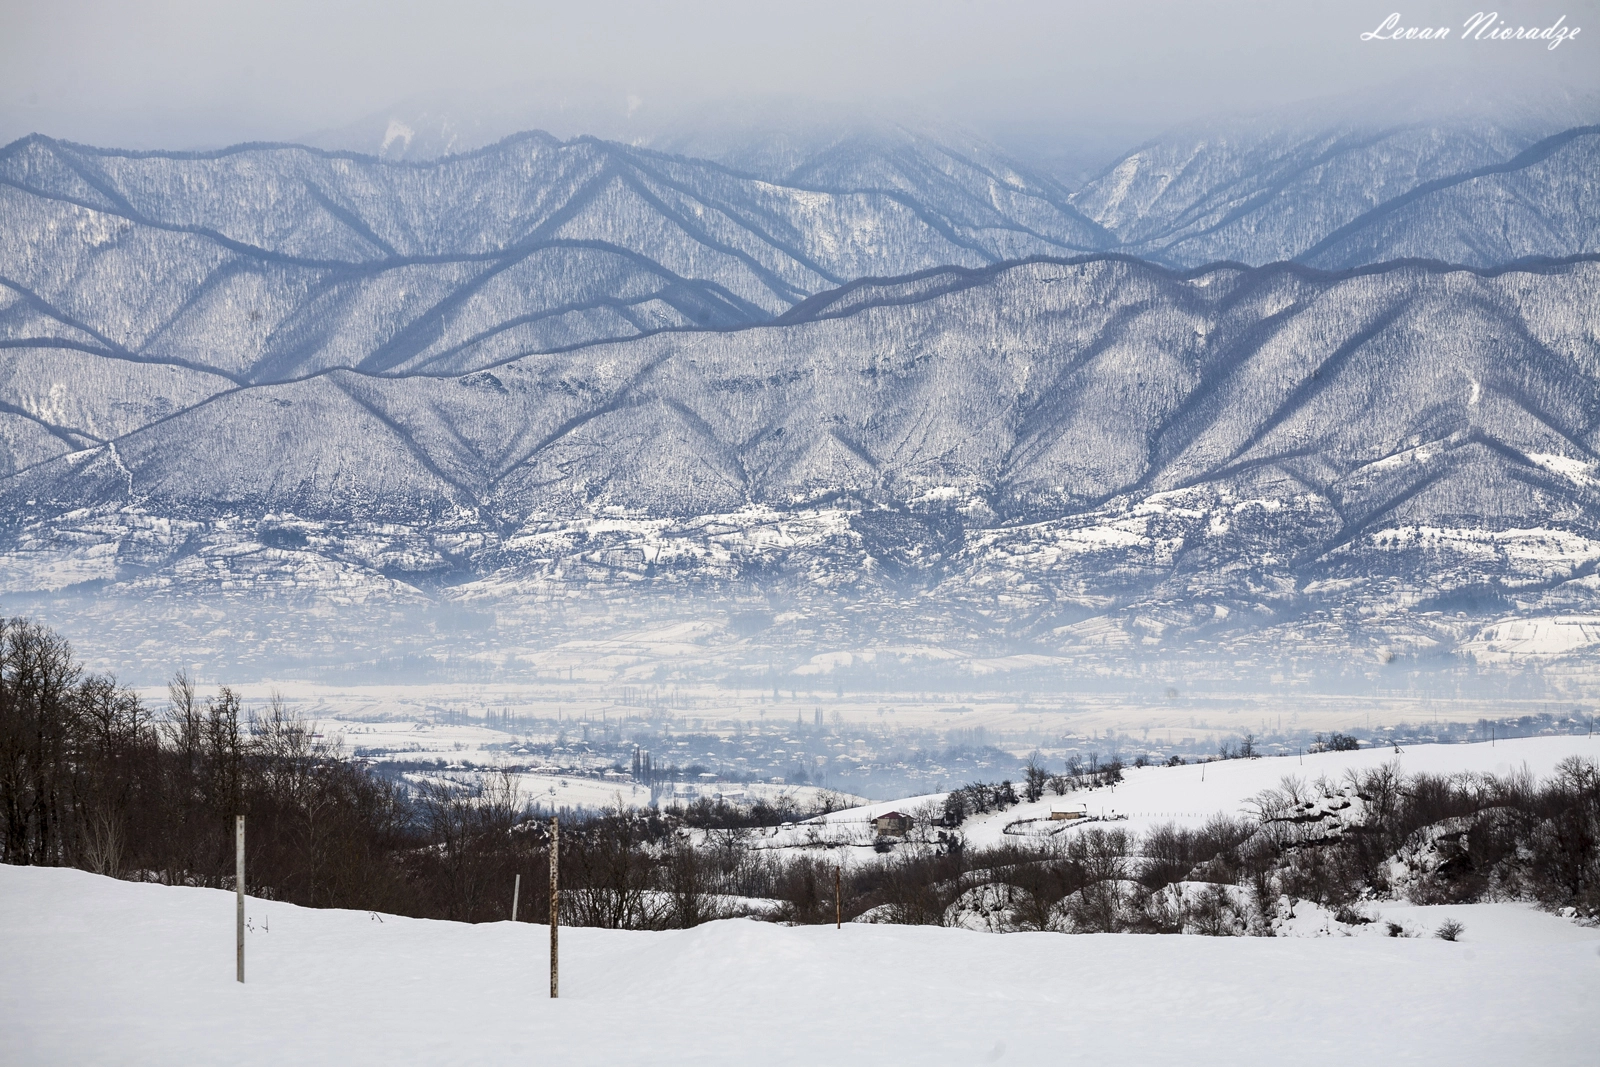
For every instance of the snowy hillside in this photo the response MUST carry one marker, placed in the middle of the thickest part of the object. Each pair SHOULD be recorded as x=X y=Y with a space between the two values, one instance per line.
x=1186 y=796
x=144 y=974
x=1407 y=394
x=268 y=262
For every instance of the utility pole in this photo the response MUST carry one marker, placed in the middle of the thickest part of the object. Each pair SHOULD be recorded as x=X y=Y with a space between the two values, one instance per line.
x=838 y=907
x=516 y=893
x=238 y=886
x=555 y=905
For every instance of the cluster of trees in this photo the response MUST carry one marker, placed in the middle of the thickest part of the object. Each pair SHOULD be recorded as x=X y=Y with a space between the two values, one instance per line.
x=1460 y=838
x=90 y=777
x=1091 y=880
x=1244 y=749
x=705 y=813
x=980 y=798
x=1087 y=772
x=1334 y=742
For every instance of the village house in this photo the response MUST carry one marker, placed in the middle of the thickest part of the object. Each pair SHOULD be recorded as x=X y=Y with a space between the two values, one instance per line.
x=892 y=824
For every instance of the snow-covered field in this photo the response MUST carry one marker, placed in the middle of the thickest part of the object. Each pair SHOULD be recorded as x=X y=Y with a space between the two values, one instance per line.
x=108 y=972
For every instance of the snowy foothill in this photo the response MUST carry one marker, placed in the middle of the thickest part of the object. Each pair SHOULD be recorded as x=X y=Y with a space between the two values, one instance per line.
x=1191 y=794
x=114 y=972
x=1188 y=795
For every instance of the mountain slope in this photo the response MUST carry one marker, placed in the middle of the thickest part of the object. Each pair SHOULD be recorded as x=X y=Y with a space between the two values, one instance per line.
x=1047 y=388
x=821 y=377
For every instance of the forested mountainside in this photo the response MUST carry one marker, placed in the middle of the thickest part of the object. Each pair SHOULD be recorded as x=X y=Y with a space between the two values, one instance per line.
x=1343 y=197
x=268 y=263
x=1035 y=389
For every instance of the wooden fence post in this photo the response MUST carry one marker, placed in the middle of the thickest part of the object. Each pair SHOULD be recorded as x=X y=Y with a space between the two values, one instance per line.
x=238 y=885
x=555 y=905
x=516 y=892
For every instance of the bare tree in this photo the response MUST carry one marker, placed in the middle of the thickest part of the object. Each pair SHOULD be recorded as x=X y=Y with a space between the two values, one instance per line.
x=1034 y=780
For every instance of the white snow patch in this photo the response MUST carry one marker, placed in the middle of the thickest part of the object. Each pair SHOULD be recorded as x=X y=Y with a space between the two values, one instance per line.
x=1557 y=635
x=397 y=131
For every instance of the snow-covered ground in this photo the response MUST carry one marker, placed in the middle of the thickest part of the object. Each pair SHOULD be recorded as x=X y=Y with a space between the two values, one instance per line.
x=108 y=972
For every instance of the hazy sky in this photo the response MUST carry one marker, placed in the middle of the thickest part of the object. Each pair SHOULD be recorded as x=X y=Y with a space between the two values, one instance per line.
x=183 y=73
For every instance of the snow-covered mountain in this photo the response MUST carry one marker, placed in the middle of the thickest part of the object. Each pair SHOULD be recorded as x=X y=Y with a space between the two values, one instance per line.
x=548 y=364
x=267 y=263
x=1027 y=391
x=1344 y=196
